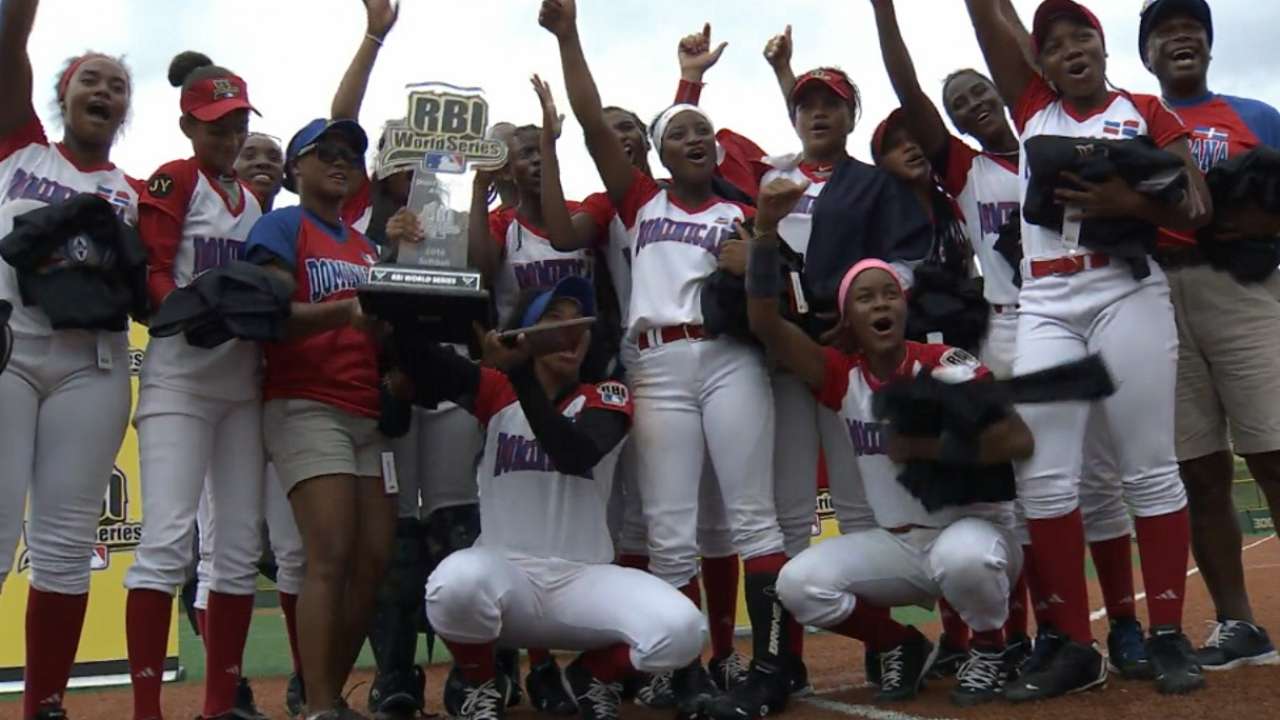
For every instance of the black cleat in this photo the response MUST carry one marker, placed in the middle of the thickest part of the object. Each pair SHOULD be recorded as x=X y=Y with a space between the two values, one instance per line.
x=295 y=696
x=728 y=671
x=487 y=701
x=797 y=676
x=245 y=704
x=1173 y=661
x=398 y=695
x=693 y=691
x=764 y=691
x=871 y=660
x=657 y=692
x=980 y=678
x=51 y=711
x=596 y=699
x=1127 y=650
x=1235 y=643
x=1017 y=650
x=903 y=668
x=547 y=691
x=950 y=658
x=508 y=662
x=1070 y=668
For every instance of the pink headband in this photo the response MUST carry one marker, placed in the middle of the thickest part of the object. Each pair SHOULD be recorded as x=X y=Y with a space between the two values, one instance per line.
x=856 y=270
x=65 y=80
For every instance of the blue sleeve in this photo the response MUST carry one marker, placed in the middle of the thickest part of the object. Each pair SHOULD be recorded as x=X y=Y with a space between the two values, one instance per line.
x=1261 y=119
x=275 y=237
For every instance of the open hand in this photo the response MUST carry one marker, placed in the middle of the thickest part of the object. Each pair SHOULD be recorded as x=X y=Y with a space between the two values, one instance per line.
x=696 y=55
x=552 y=121
x=382 y=16
x=559 y=17
x=777 y=52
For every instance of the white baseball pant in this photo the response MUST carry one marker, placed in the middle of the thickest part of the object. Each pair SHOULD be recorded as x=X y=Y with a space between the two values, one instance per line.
x=62 y=420
x=1130 y=322
x=480 y=595
x=971 y=562
x=694 y=399
x=795 y=459
x=714 y=537
x=1000 y=344
x=182 y=438
x=436 y=460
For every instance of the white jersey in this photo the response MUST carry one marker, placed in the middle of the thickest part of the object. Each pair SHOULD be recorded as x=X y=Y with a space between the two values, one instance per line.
x=674 y=250
x=987 y=191
x=1040 y=111
x=35 y=173
x=529 y=262
x=796 y=227
x=614 y=245
x=215 y=227
x=527 y=507
x=848 y=388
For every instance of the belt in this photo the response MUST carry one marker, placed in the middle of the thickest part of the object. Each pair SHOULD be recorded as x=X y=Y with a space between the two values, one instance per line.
x=1172 y=257
x=1068 y=264
x=1002 y=309
x=669 y=334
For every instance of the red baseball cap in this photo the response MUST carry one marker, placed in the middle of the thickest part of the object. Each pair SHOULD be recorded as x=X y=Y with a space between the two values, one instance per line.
x=1051 y=10
x=209 y=99
x=837 y=81
x=894 y=119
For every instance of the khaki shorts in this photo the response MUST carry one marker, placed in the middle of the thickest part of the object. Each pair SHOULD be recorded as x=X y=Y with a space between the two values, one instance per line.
x=307 y=439
x=1228 y=363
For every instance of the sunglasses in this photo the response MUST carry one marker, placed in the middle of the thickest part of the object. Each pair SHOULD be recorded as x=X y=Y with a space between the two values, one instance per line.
x=330 y=153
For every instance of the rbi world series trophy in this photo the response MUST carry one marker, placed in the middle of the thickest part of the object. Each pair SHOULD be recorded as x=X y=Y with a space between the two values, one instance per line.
x=430 y=285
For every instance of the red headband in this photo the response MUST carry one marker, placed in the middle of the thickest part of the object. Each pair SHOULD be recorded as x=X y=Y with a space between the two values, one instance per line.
x=70 y=72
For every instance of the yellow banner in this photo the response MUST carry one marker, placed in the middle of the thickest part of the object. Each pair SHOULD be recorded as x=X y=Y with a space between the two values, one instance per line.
x=102 y=657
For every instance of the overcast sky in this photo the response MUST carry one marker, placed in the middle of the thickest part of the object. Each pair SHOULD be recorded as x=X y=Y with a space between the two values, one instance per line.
x=293 y=52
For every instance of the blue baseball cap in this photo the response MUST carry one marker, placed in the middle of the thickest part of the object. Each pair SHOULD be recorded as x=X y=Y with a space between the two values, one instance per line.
x=1154 y=11
x=311 y=133
x=573 y=287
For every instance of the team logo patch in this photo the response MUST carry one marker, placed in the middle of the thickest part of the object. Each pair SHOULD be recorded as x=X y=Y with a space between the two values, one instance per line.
x=224 y=89
x=613 y=393
x=160 y=185
x=956 y=366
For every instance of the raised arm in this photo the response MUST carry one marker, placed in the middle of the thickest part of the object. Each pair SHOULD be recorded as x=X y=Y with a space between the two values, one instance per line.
x=566 y=233
x=777 y=52
x=1020 y=31
x=922 y=116
x=559 y=17
x=696 y=58
x=16 y=19
x=483 y=253
x=784 y=341
x=1001 y=44
x=347 y=100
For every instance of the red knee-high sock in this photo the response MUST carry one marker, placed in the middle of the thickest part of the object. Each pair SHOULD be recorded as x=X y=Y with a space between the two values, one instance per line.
x=608 y=664
x=289 y=606
x=146 y=628
x=228 y=618
x=631 y=560
x=54 y=622
x=795 y=637
x=1163 y=543
x=874 y=626
x=953 y=626
x=693 y=591
x=1058 y=547
x=720 y=581
x=1114 y=561
x=1035 y=589
x=1016 y=625
x=538 y=656
x=203 y=626
x=474 y=660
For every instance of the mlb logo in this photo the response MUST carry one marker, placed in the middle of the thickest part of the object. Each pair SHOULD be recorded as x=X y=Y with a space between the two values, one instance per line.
x=1115 y=128
x=613 y=393
x=445 y=162
x=101 y=558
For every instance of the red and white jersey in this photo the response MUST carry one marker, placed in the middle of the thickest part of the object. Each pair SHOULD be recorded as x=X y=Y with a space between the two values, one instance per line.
x=357 y=210
x=674 y=250
x=529 y=262
x=527 y=507
x=796 y=227
x=1040 y=111
x=848 y=388
x=987 y=191
x=35 y=173
x=613 y=244
x=215 y=228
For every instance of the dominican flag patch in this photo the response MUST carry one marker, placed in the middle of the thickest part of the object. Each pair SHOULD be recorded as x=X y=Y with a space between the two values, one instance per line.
x=1116 y=128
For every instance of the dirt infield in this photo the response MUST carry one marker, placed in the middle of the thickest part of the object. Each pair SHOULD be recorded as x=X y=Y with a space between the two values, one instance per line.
x=835 y=666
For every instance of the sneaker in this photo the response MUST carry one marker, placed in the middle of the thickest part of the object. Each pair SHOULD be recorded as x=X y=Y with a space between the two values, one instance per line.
x=1072 y=668
x=657 y=693
x=1017 y=650
x=950 y=658
x=1127 y=650
x=797 y=676
x=51 y=711
x=508 y=662
x=728 y=671
x=1047 y=644
x=980 y=678
x=764 y=691
x=871 y=663
x=903 y=668
x=693 y=691
x=397 y=695
x=295 y=696
x=487 y=701
x=1173 y=661
x=596 y=700
x=632 y=683
x=1235 y=643
x=245 y=704
x=547 y=691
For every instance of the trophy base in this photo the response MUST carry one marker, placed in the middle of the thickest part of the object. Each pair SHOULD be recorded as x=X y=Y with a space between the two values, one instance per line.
x=440 y=304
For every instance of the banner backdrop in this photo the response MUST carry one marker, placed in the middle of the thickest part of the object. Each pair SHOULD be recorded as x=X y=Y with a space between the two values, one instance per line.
x=102 y=656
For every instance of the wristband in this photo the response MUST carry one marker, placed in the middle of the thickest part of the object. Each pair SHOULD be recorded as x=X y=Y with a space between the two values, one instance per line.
x=377 y=40
x=953 y=449
x=764 y=270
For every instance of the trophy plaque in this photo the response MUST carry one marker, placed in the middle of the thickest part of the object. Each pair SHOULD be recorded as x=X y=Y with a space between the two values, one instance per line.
x=429 y=285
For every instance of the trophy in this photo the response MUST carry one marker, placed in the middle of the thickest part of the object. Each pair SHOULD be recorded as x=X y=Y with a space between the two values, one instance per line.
x=429 y=285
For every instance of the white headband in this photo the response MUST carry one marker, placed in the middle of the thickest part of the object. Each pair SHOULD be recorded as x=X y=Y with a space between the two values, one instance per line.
x=659 y=127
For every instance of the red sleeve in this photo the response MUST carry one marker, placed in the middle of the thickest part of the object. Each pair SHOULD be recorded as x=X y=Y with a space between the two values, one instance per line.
x=30 y=132
x=688 y=92
x=642 y=190
x=355 y=204
x=1036 y=96
x=1163 y=125
x=743 y=165
x=162 y=209
x=600 y=210
x=495 y=392
x=499 y=221
x=611 y=395
x=835 y=380
x=956 y=162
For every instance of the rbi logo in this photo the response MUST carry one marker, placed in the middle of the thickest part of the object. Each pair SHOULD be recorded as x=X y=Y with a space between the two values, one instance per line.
x=613 y=393
x=224 y=89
